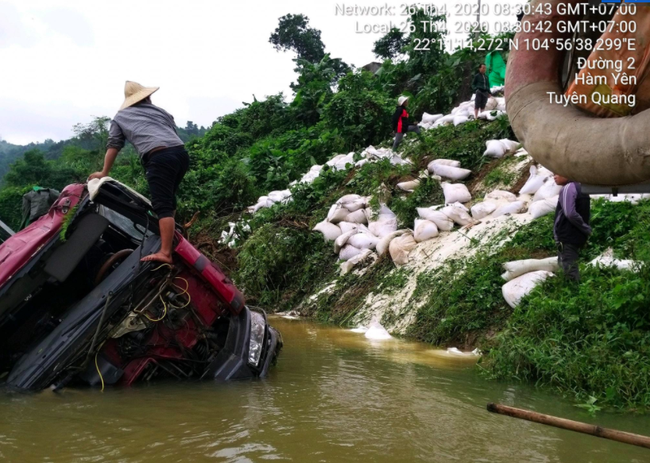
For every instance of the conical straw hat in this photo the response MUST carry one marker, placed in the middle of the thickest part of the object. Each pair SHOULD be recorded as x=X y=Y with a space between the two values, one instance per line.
x=134 y=92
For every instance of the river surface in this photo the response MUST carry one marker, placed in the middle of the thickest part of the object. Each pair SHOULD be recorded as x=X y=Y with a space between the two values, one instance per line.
x=333 y=397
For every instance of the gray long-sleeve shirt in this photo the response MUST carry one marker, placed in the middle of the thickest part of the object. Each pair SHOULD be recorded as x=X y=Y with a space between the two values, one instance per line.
x=146 y=126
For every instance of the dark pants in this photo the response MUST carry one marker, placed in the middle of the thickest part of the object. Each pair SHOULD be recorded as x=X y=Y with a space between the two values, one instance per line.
x=164 y=170
x=400 y=136
x=481 y=100
x=568 y=255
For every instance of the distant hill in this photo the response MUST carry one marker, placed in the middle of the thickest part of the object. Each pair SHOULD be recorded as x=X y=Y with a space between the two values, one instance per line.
x=9 y=152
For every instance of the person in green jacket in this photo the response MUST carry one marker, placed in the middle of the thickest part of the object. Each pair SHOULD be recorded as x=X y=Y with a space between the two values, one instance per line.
x=481 y=87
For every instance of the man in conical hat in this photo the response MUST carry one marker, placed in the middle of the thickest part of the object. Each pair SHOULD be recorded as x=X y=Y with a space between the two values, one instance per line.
x=152 y=131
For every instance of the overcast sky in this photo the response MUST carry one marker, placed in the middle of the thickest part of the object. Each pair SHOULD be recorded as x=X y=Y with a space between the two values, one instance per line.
x=64 y=61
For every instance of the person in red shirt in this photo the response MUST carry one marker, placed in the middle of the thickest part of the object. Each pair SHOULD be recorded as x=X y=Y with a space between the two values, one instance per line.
x=401 y=124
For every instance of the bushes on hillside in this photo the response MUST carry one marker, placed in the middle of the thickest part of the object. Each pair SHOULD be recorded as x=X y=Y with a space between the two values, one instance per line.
x=279 y=265
x=361 y=114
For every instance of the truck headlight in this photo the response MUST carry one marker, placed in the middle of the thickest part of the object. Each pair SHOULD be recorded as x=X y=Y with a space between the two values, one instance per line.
x=258 y=325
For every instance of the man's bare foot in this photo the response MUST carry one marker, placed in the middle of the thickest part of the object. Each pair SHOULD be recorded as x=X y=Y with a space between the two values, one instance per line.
x=158 y=257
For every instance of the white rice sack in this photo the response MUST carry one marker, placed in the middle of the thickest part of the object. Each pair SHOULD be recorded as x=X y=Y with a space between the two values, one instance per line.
x=377 y=332
x=355 y=205
x=607 y=259
x=442 y=221
x=511 y=146
x=401 y=247
x=453 y=173
x=541 y=208
x=338 y=215
x=482 y=210
x=534 y=183
x=458 y=213
x=383 y=213
x=349 y=252
x=499 y=195
x=431 y=118
x=409 y=186
x=547 y=190
x=521 y=152
x=279 y=196
x=458 y=120
x=356 y=217
x=515 y=290
x=501 y=107
x=456 y=352
x=363 y=241
x=449 y=119
x=347 y=226
x=491 y=104
x=494 y=115
x=329 y=230
x=444 y=162
x=396 y=160
x=361 y=163
x=495 y=149
x=425 y=230
x=517 y=207
x=383 y=227
x=346 y=267
x=342 y=240
x=335 y=160
x=384 y=243
x=348 y=199
x=438 y=123
x=520 y=267
x=456 y=193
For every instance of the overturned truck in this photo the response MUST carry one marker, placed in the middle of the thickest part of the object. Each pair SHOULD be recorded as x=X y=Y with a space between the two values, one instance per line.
x=77 y=306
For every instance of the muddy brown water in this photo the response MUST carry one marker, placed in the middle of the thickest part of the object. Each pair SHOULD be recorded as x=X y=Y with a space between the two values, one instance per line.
x=333 y=397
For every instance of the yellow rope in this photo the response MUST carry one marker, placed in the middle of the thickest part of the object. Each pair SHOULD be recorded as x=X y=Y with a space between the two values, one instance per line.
x=163 y=315
x=97 y=366
x=185 y=292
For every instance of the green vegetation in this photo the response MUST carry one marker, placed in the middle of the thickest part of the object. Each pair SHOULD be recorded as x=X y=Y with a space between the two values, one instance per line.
x=498 y=177
x=590 y=340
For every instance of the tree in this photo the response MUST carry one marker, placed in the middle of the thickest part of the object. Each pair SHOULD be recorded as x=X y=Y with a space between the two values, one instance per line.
x=95 y=131
x=359 y=112
x=391 y=44
x=294 y=33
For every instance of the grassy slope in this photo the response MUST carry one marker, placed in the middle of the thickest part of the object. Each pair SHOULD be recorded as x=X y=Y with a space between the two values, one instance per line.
x=588 y=340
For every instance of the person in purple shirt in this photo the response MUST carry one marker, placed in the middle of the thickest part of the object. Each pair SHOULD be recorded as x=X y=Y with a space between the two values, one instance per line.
x=571 y=227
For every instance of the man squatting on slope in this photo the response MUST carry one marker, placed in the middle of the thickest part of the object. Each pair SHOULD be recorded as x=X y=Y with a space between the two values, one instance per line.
x=481 y=87
x=401 y=122
x=152 y=131
x=571 y=227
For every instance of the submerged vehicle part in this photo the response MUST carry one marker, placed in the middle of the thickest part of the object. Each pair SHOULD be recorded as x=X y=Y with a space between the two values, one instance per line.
x=79 y=307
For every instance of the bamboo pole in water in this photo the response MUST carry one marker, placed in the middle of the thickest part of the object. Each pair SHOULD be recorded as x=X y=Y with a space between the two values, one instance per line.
x=577 y=426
